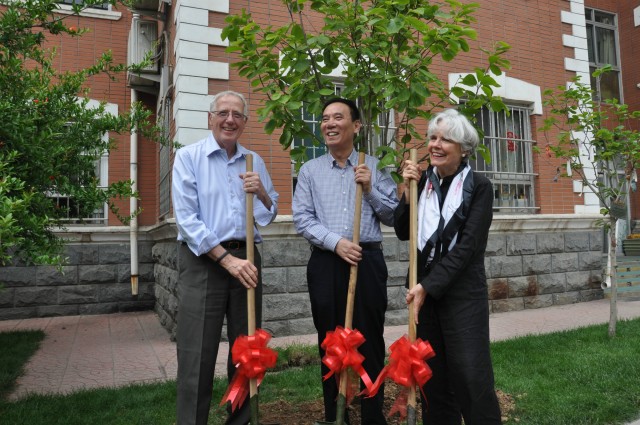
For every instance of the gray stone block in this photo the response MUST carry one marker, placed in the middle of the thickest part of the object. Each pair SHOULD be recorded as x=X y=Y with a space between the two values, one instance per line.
x=51 y=276
x=286 y=252
x=101 y=308
x=296 y=279
x=596 y=240
x=18 y=276
x=397 y=270
x=577 y=281
x=115 y=254
x=145 y=254
x=274 y=280
x=403 y=250
x=505 y=266
x=566 y=298
x=575 y=242
x=18 y=313
x=523 y=286
x=78 y=294
x=596 y=279
x=591 y=295
x=390 y=249
x=120 y=292
x=551 y=283
x=520 y=244
x=97 y=274
x=396 y=318
x=590 y=260
x=565 y=262
x=547 y=243
x=166 y=253
x=396 y=298
x=498 y=289
x=27 y=297
x=496 y=245
x=536 y=264
x=82 y=253
x=539 y=301
x=295 y=306
x=166 y=277
x=501 y=306
x=6 y=297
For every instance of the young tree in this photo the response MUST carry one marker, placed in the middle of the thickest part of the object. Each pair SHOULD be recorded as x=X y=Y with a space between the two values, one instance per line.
x=598 y=142
x=50 y=138
x=382 y=50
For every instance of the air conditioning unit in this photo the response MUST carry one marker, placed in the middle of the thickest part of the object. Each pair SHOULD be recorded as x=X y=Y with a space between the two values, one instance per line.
x=143 y=38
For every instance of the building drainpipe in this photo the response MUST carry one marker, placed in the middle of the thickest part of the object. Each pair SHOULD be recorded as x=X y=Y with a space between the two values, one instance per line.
x=133 y=202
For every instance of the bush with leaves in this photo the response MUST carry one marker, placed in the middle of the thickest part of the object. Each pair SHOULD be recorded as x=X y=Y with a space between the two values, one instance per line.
x=50 y=138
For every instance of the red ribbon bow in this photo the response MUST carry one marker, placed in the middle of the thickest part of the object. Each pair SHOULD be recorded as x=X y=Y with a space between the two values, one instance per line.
x=341 y=352
x=252 y=358
x=407 y=367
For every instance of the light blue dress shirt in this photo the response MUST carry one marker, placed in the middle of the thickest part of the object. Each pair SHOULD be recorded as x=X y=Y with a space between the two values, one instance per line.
x=208 y=199
x=324 y=201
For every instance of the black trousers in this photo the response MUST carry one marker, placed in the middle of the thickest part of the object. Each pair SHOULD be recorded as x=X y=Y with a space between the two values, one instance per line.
x=328 y=280
x=207 y=294
x=462 y=384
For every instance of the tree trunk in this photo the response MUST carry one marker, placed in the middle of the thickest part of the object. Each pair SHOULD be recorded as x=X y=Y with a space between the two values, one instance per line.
x=613 y=310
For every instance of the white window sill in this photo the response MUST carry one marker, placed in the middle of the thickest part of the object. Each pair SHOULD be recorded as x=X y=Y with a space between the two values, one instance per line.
x=65 y=9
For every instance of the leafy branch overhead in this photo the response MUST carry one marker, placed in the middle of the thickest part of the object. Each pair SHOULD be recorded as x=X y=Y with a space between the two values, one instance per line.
x=52 y=136
x=382 y=53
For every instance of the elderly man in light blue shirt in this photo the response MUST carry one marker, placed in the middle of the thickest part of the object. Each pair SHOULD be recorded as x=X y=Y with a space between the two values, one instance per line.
x=210 y=183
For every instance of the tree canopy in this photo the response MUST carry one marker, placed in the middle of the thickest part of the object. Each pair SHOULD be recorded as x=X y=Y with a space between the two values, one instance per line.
x=381 y=51
x=51 y=136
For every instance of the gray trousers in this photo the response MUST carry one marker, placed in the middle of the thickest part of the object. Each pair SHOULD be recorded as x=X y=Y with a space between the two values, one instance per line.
x=207 y=294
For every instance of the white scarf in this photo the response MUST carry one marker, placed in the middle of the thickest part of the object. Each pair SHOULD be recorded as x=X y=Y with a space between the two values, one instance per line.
x=429 y=213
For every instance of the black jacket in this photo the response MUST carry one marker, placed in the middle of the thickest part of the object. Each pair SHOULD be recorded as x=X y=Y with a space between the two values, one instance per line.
x=460 y=273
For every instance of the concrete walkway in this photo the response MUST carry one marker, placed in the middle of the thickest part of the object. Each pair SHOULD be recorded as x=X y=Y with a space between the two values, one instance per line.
x=81 y=352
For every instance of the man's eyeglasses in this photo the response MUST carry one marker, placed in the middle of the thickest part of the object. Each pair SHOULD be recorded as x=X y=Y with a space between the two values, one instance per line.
x=225 y=114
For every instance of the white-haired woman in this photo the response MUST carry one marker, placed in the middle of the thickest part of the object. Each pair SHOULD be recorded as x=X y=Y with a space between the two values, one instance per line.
x=451 y=300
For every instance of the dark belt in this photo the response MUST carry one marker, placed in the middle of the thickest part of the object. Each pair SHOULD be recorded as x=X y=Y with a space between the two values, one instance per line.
x=371 y=246
x=366 y=246
x=234 y=244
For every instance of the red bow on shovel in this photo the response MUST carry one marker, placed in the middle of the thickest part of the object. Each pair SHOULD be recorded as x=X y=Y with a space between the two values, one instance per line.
x=252 y=358
x=249 y=353
x=407 y=367
x=341 y=353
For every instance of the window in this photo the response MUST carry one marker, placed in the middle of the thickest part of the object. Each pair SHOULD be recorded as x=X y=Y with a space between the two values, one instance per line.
x=508 y=137
x=104 y=6
x=71 y=207
x=602 y=42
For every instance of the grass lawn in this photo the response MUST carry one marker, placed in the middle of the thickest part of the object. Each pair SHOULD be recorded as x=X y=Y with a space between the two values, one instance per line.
x=576 y=377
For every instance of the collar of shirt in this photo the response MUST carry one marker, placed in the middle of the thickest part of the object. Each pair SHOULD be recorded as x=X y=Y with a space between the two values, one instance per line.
x=351 y=160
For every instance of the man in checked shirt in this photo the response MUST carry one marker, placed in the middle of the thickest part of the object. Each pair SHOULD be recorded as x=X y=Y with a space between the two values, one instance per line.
x=323 y=210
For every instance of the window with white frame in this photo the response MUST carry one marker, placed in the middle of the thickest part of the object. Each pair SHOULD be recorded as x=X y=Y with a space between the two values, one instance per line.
x=602 y=43
x=508 y=137
x=71 y=207
x=105 y=6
